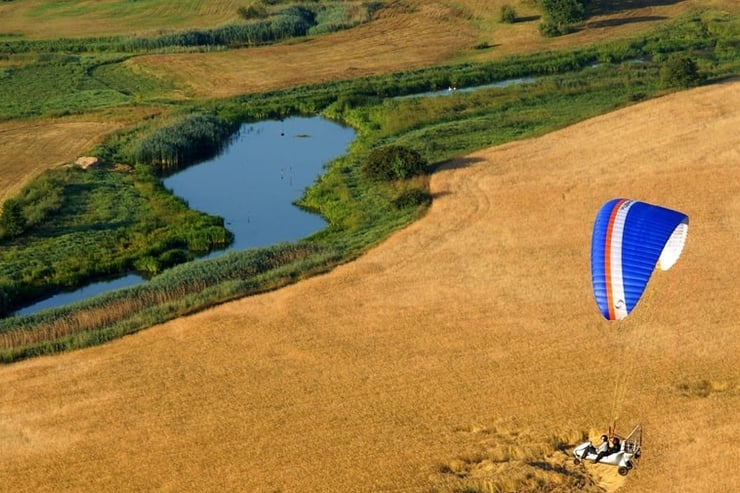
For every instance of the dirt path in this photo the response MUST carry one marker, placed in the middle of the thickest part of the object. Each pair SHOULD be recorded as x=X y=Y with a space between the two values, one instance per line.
x=477 y=318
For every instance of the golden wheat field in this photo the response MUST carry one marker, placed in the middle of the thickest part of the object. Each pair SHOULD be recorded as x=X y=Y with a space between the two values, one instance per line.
x=465 y=353
x=82 y=18
x=30 y=147
x=451 y=355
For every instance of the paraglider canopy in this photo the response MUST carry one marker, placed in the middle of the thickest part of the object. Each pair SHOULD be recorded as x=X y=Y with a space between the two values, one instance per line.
x=629 y=239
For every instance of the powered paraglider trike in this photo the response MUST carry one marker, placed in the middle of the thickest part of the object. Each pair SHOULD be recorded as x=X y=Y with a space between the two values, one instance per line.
x=625 y=456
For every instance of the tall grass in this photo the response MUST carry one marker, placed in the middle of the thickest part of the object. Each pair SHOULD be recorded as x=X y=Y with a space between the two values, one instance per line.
x=190 y=138
x=176 y=292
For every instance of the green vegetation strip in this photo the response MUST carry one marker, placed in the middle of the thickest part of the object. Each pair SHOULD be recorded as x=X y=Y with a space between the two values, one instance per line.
x=569 y=86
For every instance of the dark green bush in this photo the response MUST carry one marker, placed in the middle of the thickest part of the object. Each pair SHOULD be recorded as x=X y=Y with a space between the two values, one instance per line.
x=508 y=14
x=680 y=71
x=412 y=197
x=12 y=222
x=174 y=257
x=560 y=15
x=551 y=29
x=393 y=162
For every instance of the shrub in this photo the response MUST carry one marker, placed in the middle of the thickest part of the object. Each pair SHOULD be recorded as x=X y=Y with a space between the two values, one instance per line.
x=174 y=257
x=412 y=197
x=393 y=162
x=147 y=264
x=680 y=71
x=560 y=15
x=508 y=14
x=12 y=221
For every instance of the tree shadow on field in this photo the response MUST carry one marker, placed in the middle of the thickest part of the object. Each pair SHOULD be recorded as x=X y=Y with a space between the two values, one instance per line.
x=452 y=164
x=604 y=7
x=458 y=163
x=443 y=193
x=624 y=20
x=728 y=79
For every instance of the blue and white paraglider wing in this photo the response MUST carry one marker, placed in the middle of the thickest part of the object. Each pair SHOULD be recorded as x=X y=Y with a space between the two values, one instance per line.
x=629 y=239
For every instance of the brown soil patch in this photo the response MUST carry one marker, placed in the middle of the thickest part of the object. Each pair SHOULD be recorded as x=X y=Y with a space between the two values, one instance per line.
x=370 y=377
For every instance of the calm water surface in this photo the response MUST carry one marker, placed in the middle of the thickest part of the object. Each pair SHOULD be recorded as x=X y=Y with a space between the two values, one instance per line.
x=252 y=184
x=255 y=181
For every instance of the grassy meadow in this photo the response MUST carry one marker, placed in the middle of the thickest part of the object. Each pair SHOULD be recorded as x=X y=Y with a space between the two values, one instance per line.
x=81 y=81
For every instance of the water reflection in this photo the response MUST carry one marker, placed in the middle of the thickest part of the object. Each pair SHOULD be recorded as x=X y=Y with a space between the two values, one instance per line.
x=252 y=184
x=88 y=291
x=255 y=181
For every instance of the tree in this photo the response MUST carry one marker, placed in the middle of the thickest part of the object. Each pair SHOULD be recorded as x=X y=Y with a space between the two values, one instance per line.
x=508 y=14
x=393 y=162
x=680 y=71
x=560 y=15
x=12 y=221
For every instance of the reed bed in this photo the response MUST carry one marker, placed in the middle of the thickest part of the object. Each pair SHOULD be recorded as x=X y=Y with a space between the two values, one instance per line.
x=176 y=292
